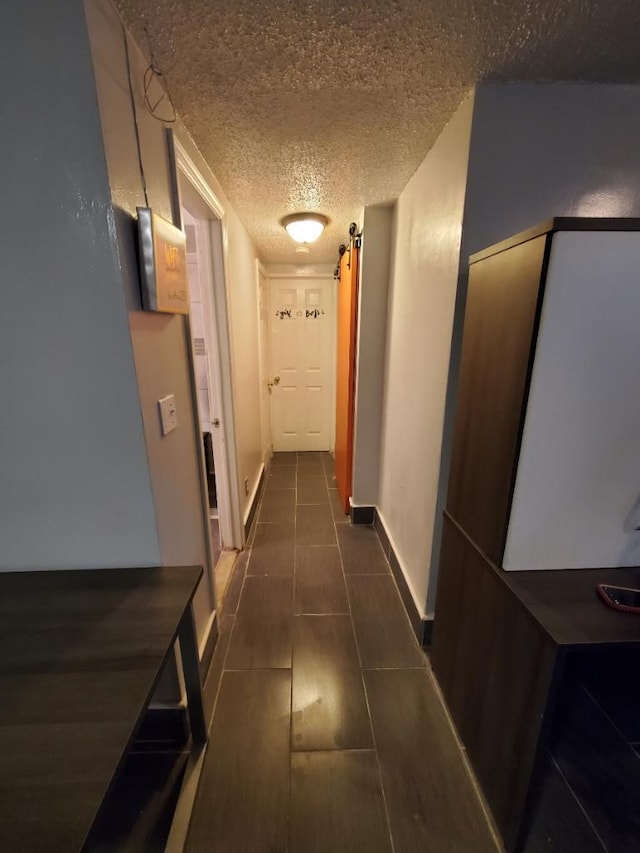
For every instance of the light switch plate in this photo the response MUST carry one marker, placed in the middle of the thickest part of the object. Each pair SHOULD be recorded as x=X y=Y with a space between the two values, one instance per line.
x=168 y=413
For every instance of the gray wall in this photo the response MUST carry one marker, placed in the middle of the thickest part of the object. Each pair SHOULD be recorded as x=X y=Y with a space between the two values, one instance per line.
x=533 y=151
x=538 y=151
x=543 y=150
x=372 y=323
x=74 y=480
x=160 y=342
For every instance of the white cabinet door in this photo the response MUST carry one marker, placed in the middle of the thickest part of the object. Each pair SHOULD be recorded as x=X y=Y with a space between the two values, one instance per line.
x=302 y=334
x=576 y=501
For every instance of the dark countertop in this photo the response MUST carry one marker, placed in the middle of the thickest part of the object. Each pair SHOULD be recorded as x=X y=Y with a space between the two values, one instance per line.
x=566 y=605
x=80 y=655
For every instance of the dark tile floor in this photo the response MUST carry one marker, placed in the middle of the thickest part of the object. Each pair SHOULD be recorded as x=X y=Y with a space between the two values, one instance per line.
x=327 y=733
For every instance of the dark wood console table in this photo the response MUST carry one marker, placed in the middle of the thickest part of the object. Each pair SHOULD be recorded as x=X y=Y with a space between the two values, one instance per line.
x=501 y=643
x=80 y=656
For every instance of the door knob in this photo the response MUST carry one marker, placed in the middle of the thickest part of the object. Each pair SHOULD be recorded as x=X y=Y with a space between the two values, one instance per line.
x=216 y=422
x=276 y=380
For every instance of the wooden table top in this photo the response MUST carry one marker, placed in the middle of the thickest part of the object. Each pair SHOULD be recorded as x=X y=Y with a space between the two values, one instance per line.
x=567 y=606
x=80 y=655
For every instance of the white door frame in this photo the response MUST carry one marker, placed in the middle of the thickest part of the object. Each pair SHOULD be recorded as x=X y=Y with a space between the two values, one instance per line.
x=264 y=362
x=309 y=276
x=231 y=527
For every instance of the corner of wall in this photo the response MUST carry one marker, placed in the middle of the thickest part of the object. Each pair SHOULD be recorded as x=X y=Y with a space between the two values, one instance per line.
x=371 y=351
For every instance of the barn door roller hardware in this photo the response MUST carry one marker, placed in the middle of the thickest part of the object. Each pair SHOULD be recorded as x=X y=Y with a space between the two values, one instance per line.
x=355 y=241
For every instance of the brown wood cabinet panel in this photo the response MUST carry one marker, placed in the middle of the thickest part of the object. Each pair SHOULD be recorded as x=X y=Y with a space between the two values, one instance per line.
x=448 y=626
x=475 y=646
x=494 y=666
x=498 y=343
x=510 y=716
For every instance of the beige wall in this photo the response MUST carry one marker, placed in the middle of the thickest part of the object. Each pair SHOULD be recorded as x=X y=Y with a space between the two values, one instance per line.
x=423 y=288
x=159 y=341
x=242 y=296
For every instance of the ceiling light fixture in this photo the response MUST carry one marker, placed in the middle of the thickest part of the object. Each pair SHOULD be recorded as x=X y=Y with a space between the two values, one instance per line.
x=304 y=227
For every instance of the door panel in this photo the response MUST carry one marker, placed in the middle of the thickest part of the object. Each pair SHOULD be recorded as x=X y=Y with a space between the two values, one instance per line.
x=301 y=335
x=314 y=407
x=289 y=410
x=313 y=350
x=345 y=381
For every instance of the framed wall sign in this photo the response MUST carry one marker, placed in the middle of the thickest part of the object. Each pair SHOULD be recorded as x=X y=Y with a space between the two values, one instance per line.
x=163 y=264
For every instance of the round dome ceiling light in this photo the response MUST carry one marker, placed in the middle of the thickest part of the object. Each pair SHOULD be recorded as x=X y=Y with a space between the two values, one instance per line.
x=304 y=227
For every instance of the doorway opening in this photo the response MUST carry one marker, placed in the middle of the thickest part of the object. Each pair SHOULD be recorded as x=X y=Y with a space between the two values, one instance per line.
x=301 y=333
x=202 y=345
x=203 y=223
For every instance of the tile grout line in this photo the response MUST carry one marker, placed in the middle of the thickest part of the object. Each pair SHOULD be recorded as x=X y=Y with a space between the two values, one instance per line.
x=399 y=594
x=226 y=654
x=290 y=667
x=248 y=547
x=389 y=573
x=288 y=822
x=335 y=749
x=466 y=761
x=293 y=607
x=608 y=718
x=292 y=751
x=393 y=668
x=331 y=613
x=364 y=690
x=579 y=804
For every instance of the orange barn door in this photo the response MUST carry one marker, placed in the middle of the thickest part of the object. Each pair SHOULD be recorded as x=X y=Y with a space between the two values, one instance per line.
x=345 y=380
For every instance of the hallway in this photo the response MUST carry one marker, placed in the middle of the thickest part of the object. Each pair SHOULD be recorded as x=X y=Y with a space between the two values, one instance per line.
x=327 y=732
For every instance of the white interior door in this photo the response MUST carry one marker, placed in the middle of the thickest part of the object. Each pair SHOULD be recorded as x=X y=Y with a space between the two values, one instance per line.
x=302 y=339
x=198 y=199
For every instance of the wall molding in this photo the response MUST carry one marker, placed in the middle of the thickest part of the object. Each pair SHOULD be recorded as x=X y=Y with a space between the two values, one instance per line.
x=255 y=500
x=362 y=514
x=422 y=625
x=164 y=727
x=197 y=179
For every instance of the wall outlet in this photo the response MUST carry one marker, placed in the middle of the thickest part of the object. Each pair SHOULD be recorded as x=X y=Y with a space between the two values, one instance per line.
x=246 y=485
x=168 y=413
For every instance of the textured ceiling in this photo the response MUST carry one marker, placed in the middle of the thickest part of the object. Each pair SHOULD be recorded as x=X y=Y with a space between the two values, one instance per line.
x=327 y=106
